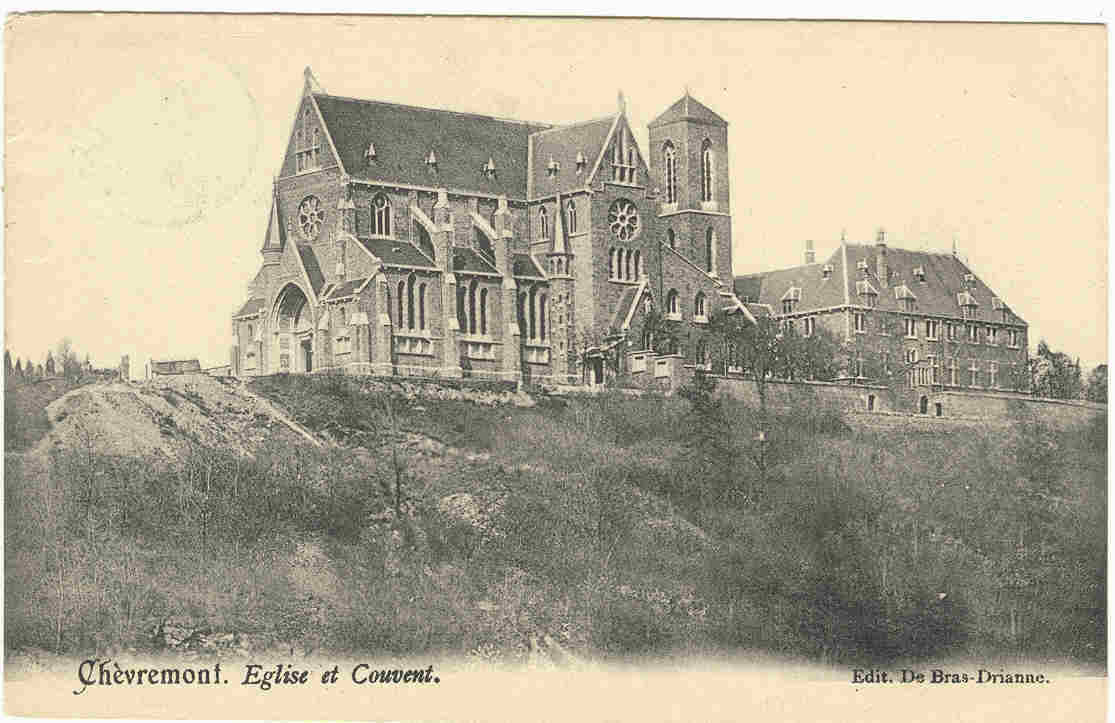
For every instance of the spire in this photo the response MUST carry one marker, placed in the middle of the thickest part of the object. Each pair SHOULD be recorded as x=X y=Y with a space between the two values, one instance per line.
x=274 y=238
x=559 y=229
x=311 y=85
x=622 y=104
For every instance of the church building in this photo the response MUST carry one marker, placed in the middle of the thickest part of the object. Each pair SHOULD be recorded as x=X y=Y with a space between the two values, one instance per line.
x=413 y=241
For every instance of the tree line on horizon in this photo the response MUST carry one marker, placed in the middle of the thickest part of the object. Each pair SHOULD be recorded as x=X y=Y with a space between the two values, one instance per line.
x=62 y=361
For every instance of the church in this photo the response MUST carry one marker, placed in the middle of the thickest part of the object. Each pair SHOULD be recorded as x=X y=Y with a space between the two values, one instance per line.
x=407 y=241
x=418 y=242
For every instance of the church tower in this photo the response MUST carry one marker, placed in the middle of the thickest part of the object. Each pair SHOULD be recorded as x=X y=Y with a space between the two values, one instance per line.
x=689 y=167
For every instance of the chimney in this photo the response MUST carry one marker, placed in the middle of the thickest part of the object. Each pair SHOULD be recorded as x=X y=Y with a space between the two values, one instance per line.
x=882 y=270
x=810 y=257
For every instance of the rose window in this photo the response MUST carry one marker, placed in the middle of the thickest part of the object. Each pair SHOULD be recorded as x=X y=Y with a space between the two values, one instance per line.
x=623 y=219
x=311 y=216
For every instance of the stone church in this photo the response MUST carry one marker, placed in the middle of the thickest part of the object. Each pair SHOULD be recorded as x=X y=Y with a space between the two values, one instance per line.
x=413 y=241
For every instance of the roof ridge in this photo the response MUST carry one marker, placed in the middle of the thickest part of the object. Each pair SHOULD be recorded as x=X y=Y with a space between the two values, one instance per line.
x=578 y=124
x=543 y=126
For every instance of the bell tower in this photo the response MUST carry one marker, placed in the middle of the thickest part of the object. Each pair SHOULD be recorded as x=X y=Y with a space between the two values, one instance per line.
x=689 y=167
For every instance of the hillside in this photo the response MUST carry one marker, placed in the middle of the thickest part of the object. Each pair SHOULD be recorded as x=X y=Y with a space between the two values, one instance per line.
x=314 y=514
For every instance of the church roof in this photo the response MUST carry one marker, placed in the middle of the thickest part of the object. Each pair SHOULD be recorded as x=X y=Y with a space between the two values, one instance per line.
x=468 y=260
x=250 y=308
x=688 y=108
x=404 y=136
x=628 y=298
x=396 y=253
x=564 y=145
x=344 y=289
x=313 y=268
x=946 y=279
x=524 y=266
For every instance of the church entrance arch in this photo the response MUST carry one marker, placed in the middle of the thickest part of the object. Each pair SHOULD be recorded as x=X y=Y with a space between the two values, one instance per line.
x=294 y=328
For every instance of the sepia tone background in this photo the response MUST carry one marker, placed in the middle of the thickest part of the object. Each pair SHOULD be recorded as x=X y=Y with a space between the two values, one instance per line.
x=140 y=152
x=140 y=149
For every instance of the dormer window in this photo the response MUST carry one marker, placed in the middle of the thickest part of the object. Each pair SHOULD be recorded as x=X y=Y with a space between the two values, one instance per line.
x=790 y=299
x=919 y=273
x=431 y=162
x=581 y=162
x=969 y=278
x=862 y=266
x=370 y=154
x=826 y=271
x=905 y=297
x=867 y=293
x=968 y=304
x=490 y=168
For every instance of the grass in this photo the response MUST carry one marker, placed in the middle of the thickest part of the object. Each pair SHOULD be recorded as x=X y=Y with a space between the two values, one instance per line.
x=617 y=525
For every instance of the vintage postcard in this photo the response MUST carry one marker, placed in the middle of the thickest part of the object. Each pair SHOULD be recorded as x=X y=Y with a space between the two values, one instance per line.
x=508 y=368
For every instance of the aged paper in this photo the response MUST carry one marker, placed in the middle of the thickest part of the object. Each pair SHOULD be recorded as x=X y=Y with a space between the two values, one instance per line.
x=432 y=368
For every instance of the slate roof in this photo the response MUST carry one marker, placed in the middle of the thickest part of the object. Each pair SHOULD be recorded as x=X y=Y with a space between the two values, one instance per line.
x=313 y=269
x=404 y=136
x=563 y=144
x=466 y=260
x=346 y=288
x=396 y=253
x=251 y=306
x=688 y=108
x=623 y=306
x=937 y=295
x=523 y=266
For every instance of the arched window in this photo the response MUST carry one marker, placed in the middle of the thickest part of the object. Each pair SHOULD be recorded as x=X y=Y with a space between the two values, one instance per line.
x=701 y=356
x=542 y=318
x=571 y=216
x=631 y=165
x=314 y=149
x=699 y=304
x=249 y=332
x=670 y=161
x=627 y=259
x=710 y=250
x=472 y=307
x=532 y=317
x=522 y=315
x=613 y=266
x=483 y=311
x=672 y=302
x=638 y=265
x=422 y=306
x=402 y=300
x=381 y=215
x=410 y=301
x=543 y=225
x=671 y=239
x=462 y=318
x=707 y=167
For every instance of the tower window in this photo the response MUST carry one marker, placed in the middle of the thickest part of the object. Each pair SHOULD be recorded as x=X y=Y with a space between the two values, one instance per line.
x=670 y=160
x=710 y=250
x=543 y=224
x=571 y=216
x=707 y=167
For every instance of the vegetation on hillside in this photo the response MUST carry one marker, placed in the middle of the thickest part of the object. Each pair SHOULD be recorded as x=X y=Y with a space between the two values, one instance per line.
x=620 y=526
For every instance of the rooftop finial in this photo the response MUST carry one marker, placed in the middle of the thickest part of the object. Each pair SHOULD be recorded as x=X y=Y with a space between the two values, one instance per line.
x=687 y=90
x=843 y=234
x=622 y=103
x=311 y=82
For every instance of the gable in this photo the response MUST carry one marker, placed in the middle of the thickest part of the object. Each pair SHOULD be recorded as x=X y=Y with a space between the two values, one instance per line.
x=620 y=155
x=303 y=141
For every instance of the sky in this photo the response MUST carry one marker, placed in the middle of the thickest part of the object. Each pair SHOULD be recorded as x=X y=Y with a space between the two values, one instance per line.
x=140 y=150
